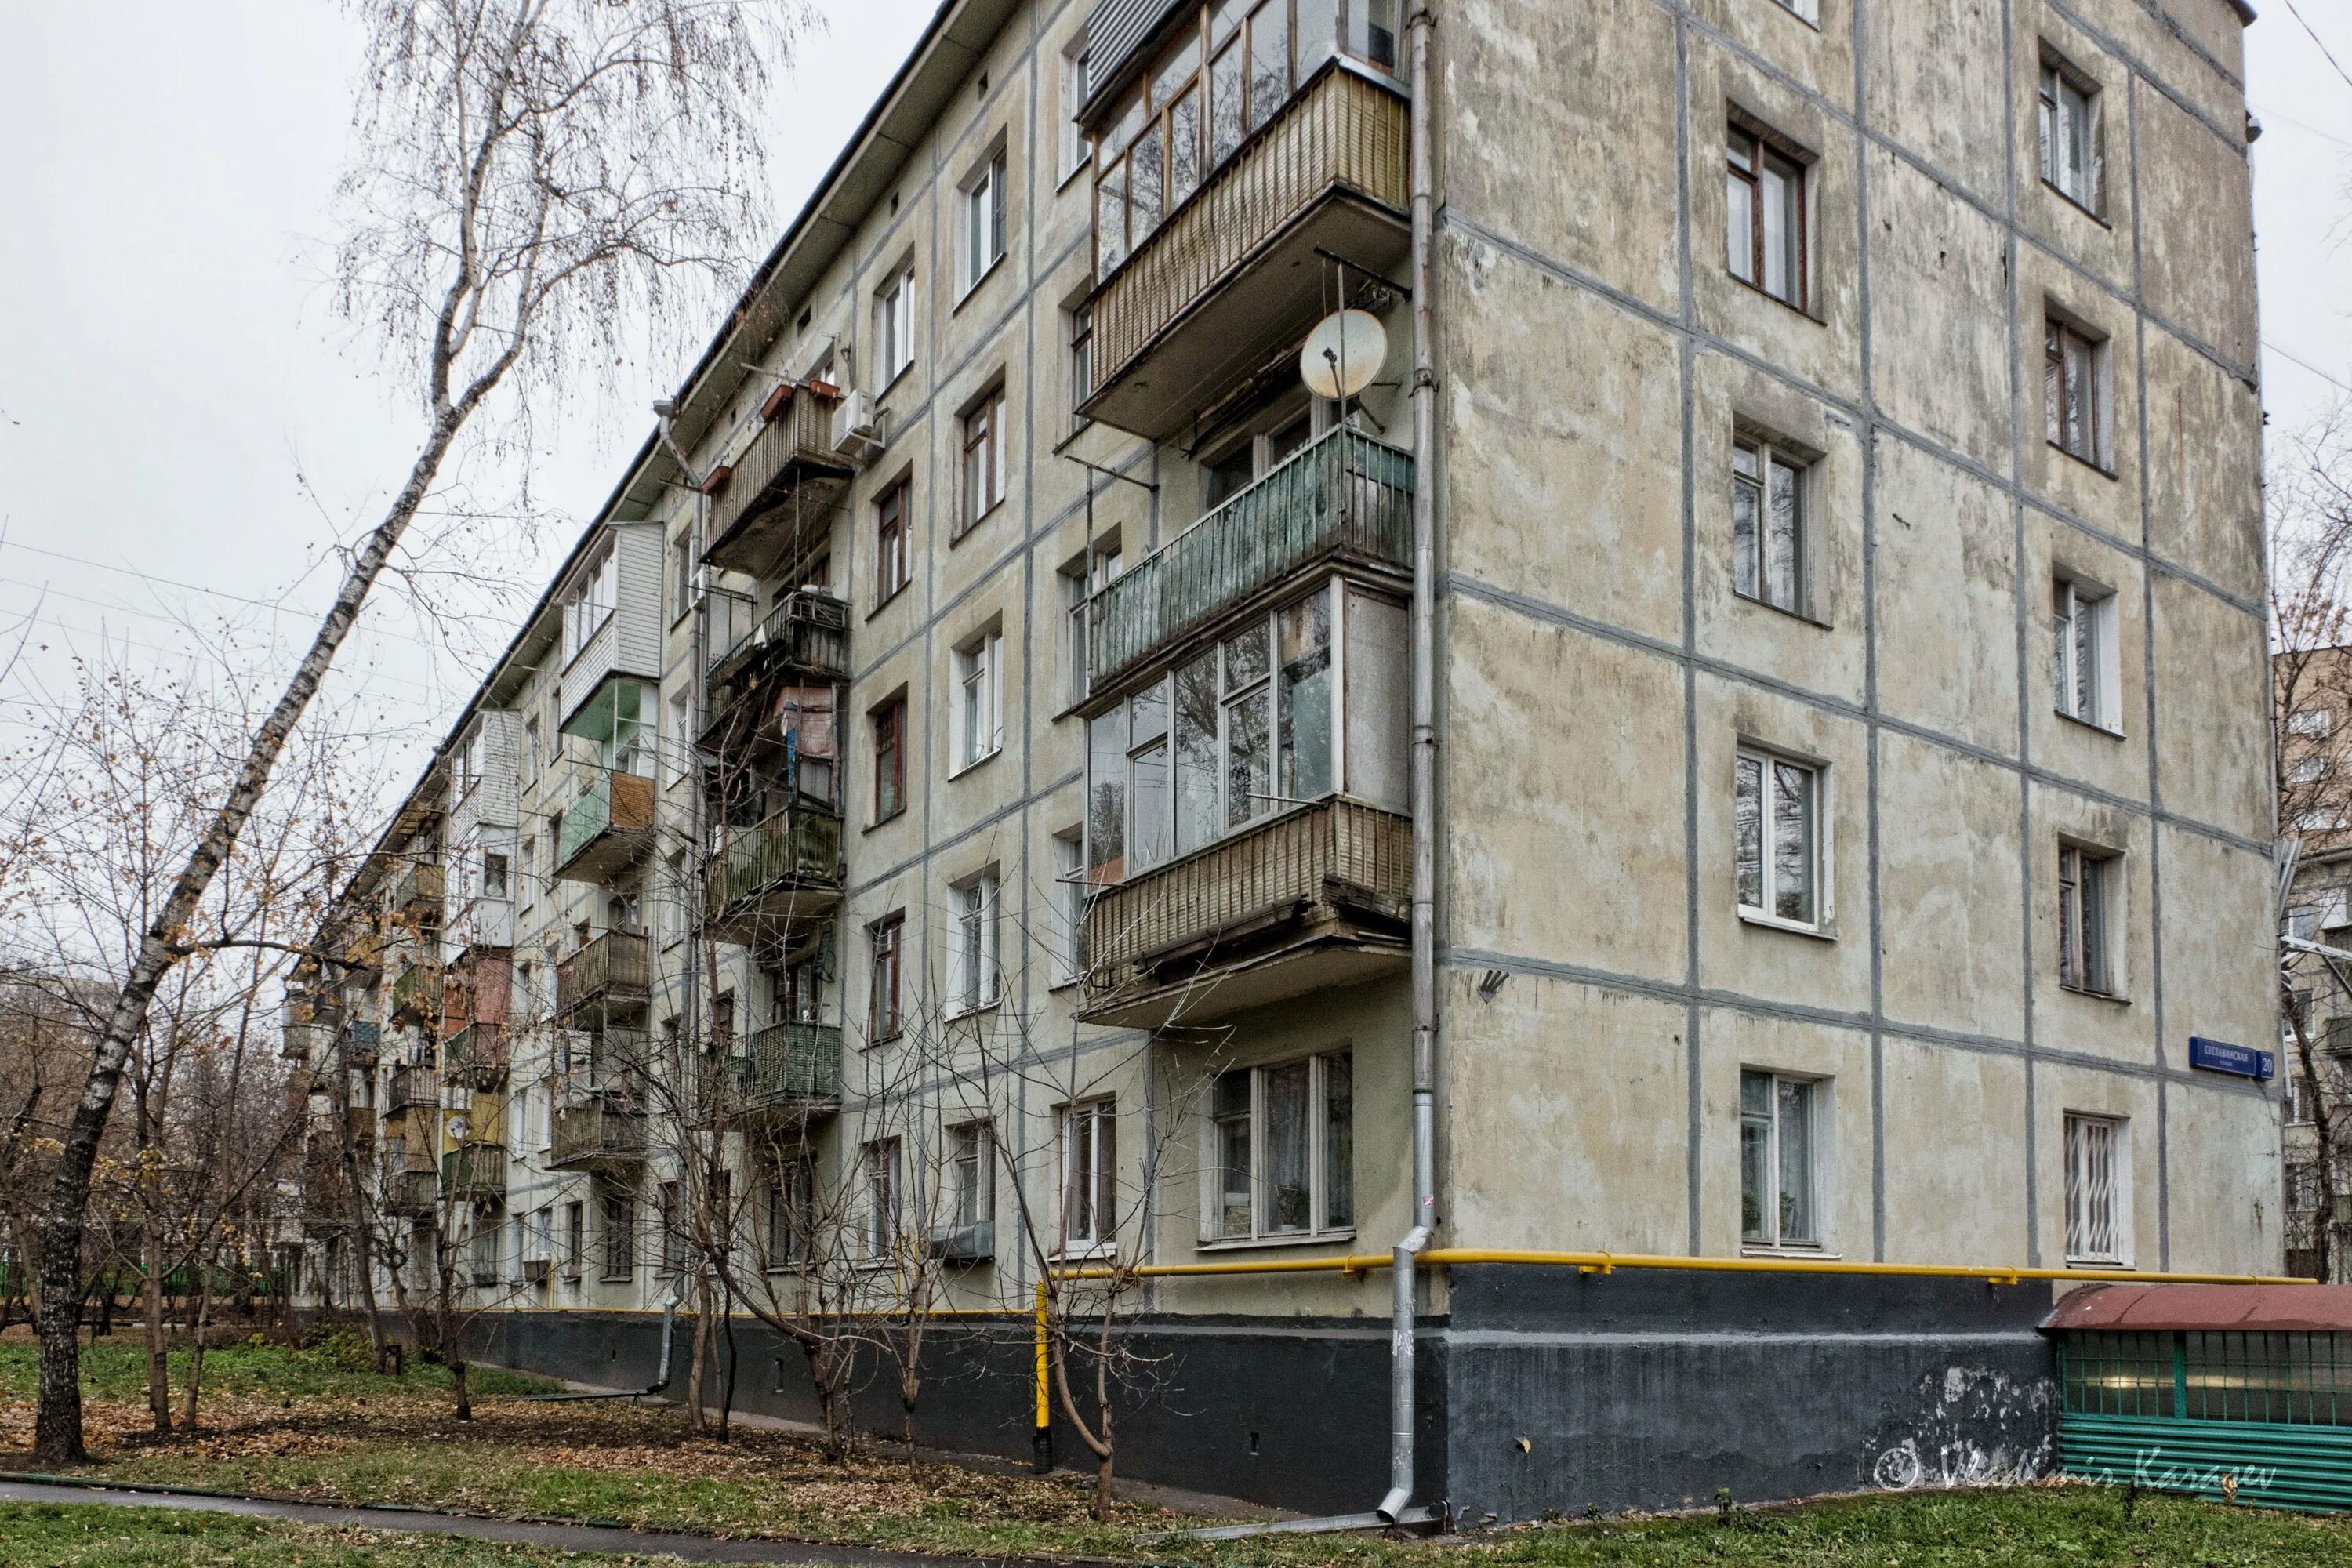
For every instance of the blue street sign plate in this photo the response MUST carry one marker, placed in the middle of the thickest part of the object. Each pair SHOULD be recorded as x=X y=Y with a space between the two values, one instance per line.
x=2214 y=1056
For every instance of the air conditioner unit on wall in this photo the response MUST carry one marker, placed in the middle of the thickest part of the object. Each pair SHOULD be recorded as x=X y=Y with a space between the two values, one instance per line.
x=857 y=427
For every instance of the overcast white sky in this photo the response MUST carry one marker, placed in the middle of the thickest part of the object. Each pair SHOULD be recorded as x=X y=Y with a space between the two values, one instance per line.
x=176 y=400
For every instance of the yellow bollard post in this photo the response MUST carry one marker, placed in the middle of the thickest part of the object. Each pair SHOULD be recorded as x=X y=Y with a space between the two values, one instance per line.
x=1040 y=1441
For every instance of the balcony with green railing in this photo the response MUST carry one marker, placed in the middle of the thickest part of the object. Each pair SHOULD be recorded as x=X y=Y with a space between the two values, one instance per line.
x=1344 y=497
x=789 y=1067
x=608 y=825
x=769 y=875
x=474 y=1172
x=416 y=995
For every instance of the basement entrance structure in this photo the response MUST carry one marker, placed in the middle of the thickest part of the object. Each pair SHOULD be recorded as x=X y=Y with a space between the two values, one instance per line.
x=2237 y=1393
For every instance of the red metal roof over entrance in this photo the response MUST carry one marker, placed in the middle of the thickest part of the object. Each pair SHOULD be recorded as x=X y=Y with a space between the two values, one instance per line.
x=2251 y=1309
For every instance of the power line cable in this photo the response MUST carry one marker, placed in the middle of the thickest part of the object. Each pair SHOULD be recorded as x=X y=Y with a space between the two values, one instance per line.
x=2315 y=38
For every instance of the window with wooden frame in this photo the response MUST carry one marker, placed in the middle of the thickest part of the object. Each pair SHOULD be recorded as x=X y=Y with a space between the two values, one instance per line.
x=673 y=1229
x=2089 y=894
x=2075 y=374
x=2098 y=1190
x=2073 y=162
x=970 y=1179
x=1764 y=226
x=1769 y=525
x=894 y=328
x=789 y=1200
x=1780 y=1119
x=881 y=1162
x=1075 y=147
x=1069 y=907
x=889 y=759
x=1280 y=1159
x=1089 y=1170
x=1778 y=859
x=618 y=1218
x=1082 y=364
x=2084 y=667
x=885 y=942
x=983 y=468
x=891 y=571
x=984 y=222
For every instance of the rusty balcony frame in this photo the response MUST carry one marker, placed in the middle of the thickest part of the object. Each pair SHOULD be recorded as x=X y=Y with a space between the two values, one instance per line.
x=1343 y=137
x=791 y=857
x=362 y=1042
x=413 y=1085
x=607 y=824
x=1336 y=872
x=805 y=629
x=478 y=1056
x=790 y=1066
x=616 y=962
x=603 y=1130
x=475 y=1172
x=789 y=462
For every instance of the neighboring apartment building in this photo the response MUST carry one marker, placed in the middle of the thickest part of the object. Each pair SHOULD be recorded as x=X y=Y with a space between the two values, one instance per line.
x=971 y=789
x=2312 y=694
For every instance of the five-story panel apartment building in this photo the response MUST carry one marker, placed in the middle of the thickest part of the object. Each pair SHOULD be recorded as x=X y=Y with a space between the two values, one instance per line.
x=962 y=790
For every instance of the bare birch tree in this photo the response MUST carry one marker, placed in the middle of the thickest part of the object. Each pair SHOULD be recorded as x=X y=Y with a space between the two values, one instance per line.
x=535 y=184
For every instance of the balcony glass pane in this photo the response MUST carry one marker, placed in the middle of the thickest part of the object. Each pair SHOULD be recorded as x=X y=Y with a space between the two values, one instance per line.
x=1269 y=60
x=1249 y=773
x=1286 y=1180
x=1305 y=692
x=1196 y=753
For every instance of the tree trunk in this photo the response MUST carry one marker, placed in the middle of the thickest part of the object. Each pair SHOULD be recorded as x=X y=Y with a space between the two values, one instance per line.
x=461 y=1383
x=197 y=1350
x=694 y=1356
x=159 y=1365
x=57 y=1429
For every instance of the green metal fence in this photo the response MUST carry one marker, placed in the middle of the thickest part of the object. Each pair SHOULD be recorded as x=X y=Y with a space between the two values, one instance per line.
x=2261 y=1418
x=1342 y=493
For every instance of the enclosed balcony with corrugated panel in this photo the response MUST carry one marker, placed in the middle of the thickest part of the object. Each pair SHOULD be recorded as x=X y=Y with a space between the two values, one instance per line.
x=1343 y=498
x=608 y=826
x=1242 y=177
x=474 y=1172
x=777 y=496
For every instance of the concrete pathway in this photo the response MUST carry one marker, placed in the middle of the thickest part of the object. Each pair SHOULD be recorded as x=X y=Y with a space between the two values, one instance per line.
x=559 y=1537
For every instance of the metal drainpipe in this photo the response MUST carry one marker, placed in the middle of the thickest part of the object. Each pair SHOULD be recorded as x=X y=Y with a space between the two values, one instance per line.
x=1402 y=1308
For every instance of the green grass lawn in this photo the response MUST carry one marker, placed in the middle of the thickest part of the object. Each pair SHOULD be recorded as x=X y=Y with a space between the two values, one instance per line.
x=322 y=1425
x=34 y=1533
x=341 y=1366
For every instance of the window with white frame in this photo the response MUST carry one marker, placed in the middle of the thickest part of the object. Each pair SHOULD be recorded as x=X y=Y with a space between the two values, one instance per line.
x=894 y=327
x=1069 y=907
x=2070 y=163
x=1765 y=217
x=1810 y=10
x=881 y=1161
x=1780 y=1122
x=1768 y=525
x=2318 y=819
x=970 y=1196
x=972 y=969
x=2309 y=770
x=495 y=884
x=891 y=570
x=1089 y=574
x=2313 y=723
x=2084 y=665
x=1089 y=1161
x=2075 y=392
x=983 y=457
x=984 y=221
x=589 y=603
x=1242 y=731
x=2098 y=1190
x=977 y=717
x=2088 y=894
x=1075 y=150
x=2303 y=1190
x=1282 y=1150
x=1777 y=819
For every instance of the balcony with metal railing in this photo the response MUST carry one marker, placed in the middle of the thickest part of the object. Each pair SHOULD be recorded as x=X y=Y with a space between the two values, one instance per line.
x=416 y=994
x=474 y=1172
x=616 y=964
x=478 y=1056
x=781 y=491
x=803 y=639
x=363 y=1043
x=411 y=1087
x=412 y=1191
x=608 y=826
x=605 y=1130
x=768 y=877
x=1314 y=897
x=1344 y=497
x=794 y=1069
x=420 y=889
x=1238 y=270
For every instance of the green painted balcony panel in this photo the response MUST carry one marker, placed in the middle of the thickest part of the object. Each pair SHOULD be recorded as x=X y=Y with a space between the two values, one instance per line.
x=475 y=1171
x=790 y=864
x=618 y=961
x=416 y=995
x=607 y=825
x=1343 y=496
x=414 y=1087
x=790 y=1066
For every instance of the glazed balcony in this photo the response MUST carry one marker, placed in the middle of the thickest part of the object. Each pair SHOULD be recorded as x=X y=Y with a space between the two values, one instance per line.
x=607 y=1129
x=416 y=994
x=1344 y=497
x=779 y=494
x=789 y=1068
x=420 y=889
x=474 y=1172
x=1237 y=271
x=363 y=1043
x=478 y=1056
x=606 y=828
x=1312 y=899
x=617 y=964
x=768 y=876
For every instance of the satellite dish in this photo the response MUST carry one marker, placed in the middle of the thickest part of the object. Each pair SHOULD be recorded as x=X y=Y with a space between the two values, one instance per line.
x=1343 y=354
